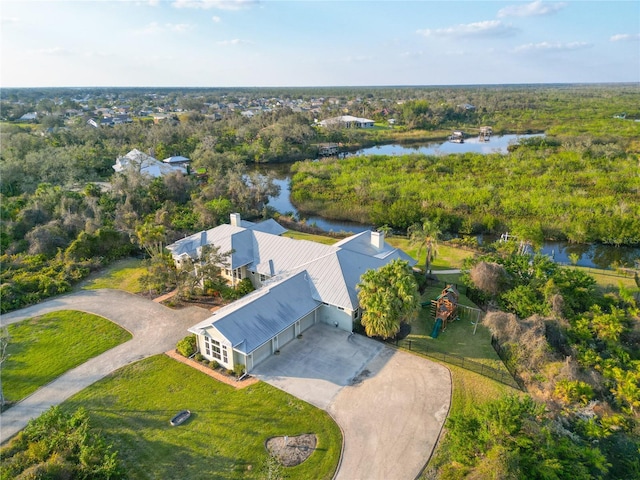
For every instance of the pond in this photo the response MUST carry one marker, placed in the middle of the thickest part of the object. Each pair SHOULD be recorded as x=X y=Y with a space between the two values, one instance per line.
x=593 y=256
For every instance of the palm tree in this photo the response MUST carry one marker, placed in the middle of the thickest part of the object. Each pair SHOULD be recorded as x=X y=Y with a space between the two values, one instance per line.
x=425 y=235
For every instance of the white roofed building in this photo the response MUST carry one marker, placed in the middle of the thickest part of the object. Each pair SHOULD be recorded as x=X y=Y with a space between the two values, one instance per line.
x=147 y=165
x=299 y=283
x=347 y=121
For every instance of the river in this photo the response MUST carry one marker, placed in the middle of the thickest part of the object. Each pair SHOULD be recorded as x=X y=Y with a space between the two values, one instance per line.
x=593 y=256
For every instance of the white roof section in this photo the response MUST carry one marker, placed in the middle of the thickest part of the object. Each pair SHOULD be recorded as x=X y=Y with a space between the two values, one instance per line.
x=345 y=119
x=256 y=318
x=176 y=159
x=145 y=164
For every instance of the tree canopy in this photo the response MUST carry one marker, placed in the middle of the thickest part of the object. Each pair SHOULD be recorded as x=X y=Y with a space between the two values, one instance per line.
x=388 y=296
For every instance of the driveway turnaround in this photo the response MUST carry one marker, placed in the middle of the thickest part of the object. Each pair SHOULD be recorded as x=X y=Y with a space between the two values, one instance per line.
x=155 y=329
x=391 y=405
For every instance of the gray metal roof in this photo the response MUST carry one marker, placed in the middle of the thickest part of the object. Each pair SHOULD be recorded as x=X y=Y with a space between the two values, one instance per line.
x=261 y=315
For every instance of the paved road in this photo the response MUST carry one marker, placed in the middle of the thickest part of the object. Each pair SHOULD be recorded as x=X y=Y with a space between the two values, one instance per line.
x=391 y=405
x=155 y=329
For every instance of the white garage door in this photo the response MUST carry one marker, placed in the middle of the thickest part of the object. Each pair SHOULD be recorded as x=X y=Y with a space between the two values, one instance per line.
x=261 y=353
x=306 y=322
x=286 y=336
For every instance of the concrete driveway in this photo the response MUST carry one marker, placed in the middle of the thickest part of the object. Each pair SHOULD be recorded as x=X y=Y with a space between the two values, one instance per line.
x=155 y=329
x=390 y=405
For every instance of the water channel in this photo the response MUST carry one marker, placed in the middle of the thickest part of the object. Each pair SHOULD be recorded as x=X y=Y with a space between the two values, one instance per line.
x=594 y=256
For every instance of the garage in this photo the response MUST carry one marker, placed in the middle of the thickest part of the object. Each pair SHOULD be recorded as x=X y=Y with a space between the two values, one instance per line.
x=286 y=336
x=262 y=352
x=307 y=322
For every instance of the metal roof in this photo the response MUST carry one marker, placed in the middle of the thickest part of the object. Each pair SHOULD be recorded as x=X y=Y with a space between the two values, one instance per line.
x=261 y=315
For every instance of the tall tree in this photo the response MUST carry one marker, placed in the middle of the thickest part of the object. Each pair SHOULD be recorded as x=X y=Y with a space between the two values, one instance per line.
x=388 y=297
x=425 y=236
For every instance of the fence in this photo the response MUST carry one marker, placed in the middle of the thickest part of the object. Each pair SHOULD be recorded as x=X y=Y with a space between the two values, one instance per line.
x=422 y=349
x=504 y=356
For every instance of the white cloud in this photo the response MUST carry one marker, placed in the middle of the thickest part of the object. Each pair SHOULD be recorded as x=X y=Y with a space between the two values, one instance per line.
x=155 y=27
x=8 y=20
x=412 y=54
x=358 y=58
x=217 y=4
x=551 y=47
x=533 y=9
x=487 y=28
x=54 y=51
x=235 y=41
x=625 y=37
x=216 y=19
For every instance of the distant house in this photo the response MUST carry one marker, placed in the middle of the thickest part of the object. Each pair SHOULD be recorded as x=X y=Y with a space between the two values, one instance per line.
x=29 y=117
x=92 y=122
x=299 y=283
x=136 y=160
x=347 y=121
x=177 y=160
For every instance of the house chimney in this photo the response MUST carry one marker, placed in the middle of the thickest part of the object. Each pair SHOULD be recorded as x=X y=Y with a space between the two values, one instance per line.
x=377 y=240
x=235 y=219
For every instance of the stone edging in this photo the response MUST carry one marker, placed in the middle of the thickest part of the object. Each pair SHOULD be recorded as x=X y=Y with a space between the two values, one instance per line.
x=212 y=373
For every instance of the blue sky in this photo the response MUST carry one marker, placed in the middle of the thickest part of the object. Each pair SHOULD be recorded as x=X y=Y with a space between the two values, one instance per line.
x=222 y=43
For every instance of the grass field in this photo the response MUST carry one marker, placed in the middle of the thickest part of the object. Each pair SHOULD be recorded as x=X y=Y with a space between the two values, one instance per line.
x=223 y=439
x=311 y=237
x=43 y=348
x=121 y=275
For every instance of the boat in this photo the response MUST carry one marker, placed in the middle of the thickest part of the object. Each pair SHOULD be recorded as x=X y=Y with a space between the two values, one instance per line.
x=457 y=137
x=180 y=417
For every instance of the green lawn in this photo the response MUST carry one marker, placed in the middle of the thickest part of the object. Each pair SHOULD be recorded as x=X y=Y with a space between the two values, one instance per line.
x=457 y=339
x=311 y=237
x=223 y=439
x=121 y=275
x=43 y=348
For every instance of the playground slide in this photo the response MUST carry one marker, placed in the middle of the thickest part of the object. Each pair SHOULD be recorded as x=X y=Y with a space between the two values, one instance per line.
x=436 y=328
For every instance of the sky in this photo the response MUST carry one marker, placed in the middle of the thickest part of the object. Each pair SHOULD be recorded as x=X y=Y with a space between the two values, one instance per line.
x=272 y=43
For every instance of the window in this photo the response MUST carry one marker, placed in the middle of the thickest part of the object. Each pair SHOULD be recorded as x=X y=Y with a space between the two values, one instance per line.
x=213 y=349
x=263 y=277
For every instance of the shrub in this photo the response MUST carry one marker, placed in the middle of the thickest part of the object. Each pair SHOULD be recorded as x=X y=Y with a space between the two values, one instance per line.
x=187 y=346
x=244 y=287
x=213 y=364
x=573 y=391
x=238 y=369
x=199 y=357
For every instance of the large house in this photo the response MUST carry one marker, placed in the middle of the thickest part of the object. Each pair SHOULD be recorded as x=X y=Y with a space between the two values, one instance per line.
x=298 y=284
x=145 y=164
x=347 y=121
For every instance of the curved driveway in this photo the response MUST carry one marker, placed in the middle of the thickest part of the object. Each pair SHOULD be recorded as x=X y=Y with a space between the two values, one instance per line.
x=155 y=329
x=390 y=405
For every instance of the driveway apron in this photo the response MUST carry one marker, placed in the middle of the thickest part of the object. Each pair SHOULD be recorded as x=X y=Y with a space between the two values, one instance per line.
x=391 y=405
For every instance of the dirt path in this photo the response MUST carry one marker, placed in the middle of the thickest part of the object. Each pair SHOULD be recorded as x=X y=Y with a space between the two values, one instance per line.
x=155 y=329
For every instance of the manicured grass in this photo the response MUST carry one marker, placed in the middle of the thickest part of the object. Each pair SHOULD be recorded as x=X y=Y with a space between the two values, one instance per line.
x=449 y=257
x=311 y=237
x=609 y=281
x=223 y=439
x=43 y=348
x=121 y=275
x=457 y=339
